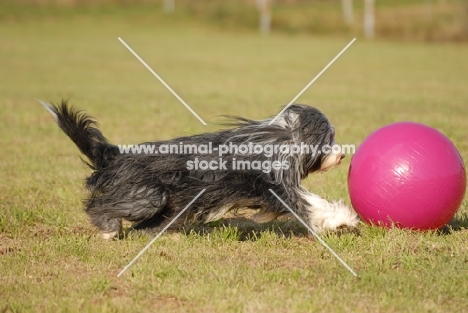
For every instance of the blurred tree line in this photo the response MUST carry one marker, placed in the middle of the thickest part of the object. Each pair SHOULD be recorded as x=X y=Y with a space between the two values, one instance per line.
x=423 y=20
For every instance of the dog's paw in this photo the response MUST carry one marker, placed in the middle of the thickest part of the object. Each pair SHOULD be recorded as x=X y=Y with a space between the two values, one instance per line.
x=265 y=217
x=331 y=217
x=109 y=235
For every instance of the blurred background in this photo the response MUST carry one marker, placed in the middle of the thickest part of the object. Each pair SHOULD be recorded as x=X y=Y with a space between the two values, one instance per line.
x=422 y=20
x=233 y=57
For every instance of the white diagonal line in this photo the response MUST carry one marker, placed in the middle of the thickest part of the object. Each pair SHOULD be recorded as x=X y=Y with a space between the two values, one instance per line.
x=162 y=81
x=160 y=233
x=311 y=82
x=315 y=234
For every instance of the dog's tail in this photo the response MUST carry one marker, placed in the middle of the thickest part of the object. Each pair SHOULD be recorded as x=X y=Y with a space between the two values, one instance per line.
x=82 y=130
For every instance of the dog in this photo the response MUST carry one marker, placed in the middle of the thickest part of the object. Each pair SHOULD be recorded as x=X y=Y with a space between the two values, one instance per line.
x=150 y=189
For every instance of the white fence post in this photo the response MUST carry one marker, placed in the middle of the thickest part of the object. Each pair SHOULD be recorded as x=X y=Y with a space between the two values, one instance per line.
x=169 y=6
x=264 y=7
x=369 y=18
x=347 y=6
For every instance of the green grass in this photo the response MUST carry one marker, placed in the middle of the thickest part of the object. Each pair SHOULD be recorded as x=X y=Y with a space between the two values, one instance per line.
x=52 y=260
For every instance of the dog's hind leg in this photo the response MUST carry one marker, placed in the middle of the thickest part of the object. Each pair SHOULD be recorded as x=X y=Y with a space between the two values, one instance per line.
x=107 y=211
x=150 y=223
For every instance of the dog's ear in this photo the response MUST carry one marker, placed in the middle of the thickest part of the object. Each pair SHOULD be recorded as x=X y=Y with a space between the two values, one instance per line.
x=311 y=130
x=288 y=119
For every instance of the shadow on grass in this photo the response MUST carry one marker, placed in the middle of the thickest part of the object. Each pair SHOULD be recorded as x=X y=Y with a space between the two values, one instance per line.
x=458 y=223
x=242 y=229
x=247 y=230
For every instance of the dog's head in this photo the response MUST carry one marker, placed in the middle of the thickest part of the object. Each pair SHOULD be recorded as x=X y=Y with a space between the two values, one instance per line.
x=310 y=127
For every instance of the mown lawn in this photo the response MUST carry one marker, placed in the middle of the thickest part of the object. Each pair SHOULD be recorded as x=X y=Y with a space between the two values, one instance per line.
x=52 y=260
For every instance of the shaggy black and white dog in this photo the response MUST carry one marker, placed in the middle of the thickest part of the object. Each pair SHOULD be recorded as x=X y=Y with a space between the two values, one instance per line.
x=151 y=189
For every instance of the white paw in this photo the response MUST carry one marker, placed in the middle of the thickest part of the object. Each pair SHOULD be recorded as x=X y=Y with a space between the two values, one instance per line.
x=332 y=216
x=109 y=235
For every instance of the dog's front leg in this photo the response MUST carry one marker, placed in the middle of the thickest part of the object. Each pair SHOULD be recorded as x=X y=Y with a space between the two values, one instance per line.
x=323 y=216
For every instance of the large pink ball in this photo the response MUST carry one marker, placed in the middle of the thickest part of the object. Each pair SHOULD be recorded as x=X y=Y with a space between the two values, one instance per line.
x=408 y=175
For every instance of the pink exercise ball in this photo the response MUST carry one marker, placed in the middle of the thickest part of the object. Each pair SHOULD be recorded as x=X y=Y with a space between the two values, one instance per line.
x=408 y=175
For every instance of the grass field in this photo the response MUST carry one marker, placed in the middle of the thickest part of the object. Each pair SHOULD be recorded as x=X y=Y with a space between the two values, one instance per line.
x=52 y=260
